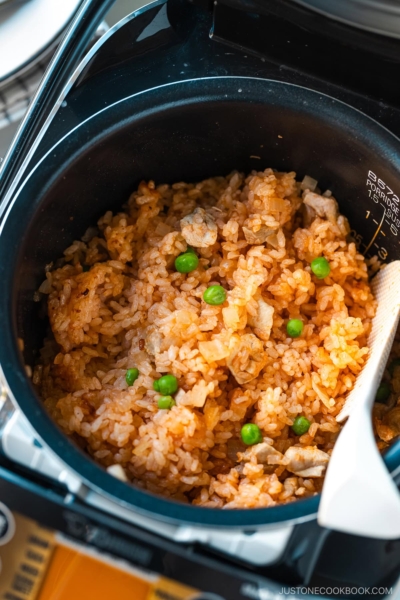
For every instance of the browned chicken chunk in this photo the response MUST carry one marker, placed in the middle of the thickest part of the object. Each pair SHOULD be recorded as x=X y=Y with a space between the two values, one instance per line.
x=324 y=207
x=199 y=229
x=247 y=358
x=306 y=462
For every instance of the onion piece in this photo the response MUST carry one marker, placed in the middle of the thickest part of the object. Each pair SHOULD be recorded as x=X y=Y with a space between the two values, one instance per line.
x=308 y=183
x=118 y=472
x=272 y=240
x=46 y=286
x=214 y=350
x=275 y=204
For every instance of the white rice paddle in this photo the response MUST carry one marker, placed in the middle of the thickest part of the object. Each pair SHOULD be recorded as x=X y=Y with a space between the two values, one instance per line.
x=359 y=495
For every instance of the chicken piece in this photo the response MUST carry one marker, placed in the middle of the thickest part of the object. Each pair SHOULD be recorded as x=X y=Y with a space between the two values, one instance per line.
x=263 y=320
x=263 y=453
x=257 y=237
x=309 y=215
x=199 y=229
x=324 y=207
x=306 y=462
x=153 y=340
x=247 y=357
x=343 y=225
x=72 y=308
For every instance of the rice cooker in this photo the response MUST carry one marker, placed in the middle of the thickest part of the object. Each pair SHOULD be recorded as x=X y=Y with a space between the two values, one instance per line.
x=181 y=90
x=378 y=16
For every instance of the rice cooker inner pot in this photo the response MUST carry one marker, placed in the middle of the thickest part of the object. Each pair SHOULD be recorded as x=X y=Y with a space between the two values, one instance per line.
x=185 y=131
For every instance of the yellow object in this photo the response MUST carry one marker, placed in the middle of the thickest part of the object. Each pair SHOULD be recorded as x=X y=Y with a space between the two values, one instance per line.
x=39 y=564
x=74 y=575
x=24 y=558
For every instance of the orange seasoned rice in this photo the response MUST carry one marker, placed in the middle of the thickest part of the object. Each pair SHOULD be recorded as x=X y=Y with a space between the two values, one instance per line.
x=255 y=236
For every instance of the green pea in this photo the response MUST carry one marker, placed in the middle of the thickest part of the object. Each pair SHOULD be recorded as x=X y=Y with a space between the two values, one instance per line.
x=320 y=267
x=395 y=363
x=215 y=295
x=251 y=434
x=166 y=385
x=85 y=268
x=190 y=249
x=131 y=376
x=383 y=392
x=187 y=262
x=166 y=402
x=294 y=327
x=301 y=425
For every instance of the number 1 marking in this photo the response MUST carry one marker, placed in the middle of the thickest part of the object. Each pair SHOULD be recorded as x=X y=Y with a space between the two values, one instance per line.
x=376 y=232
x=368 y=213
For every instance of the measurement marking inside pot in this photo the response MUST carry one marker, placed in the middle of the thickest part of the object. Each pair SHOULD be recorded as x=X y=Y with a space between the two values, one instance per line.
x=382 y=195
x=377 y=230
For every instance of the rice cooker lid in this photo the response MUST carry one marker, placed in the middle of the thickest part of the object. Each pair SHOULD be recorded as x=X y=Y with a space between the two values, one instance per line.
x=370 y=29
x=39 y=23
x=378 y=16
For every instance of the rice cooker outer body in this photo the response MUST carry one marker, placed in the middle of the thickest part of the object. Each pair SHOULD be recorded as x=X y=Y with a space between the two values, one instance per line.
x=182 y=131
x=376 y=16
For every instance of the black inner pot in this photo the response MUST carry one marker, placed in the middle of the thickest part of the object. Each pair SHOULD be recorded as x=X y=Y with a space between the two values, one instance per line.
x=185 y=131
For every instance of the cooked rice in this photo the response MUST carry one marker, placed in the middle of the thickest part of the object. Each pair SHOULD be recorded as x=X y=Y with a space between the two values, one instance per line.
x=235 y=363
